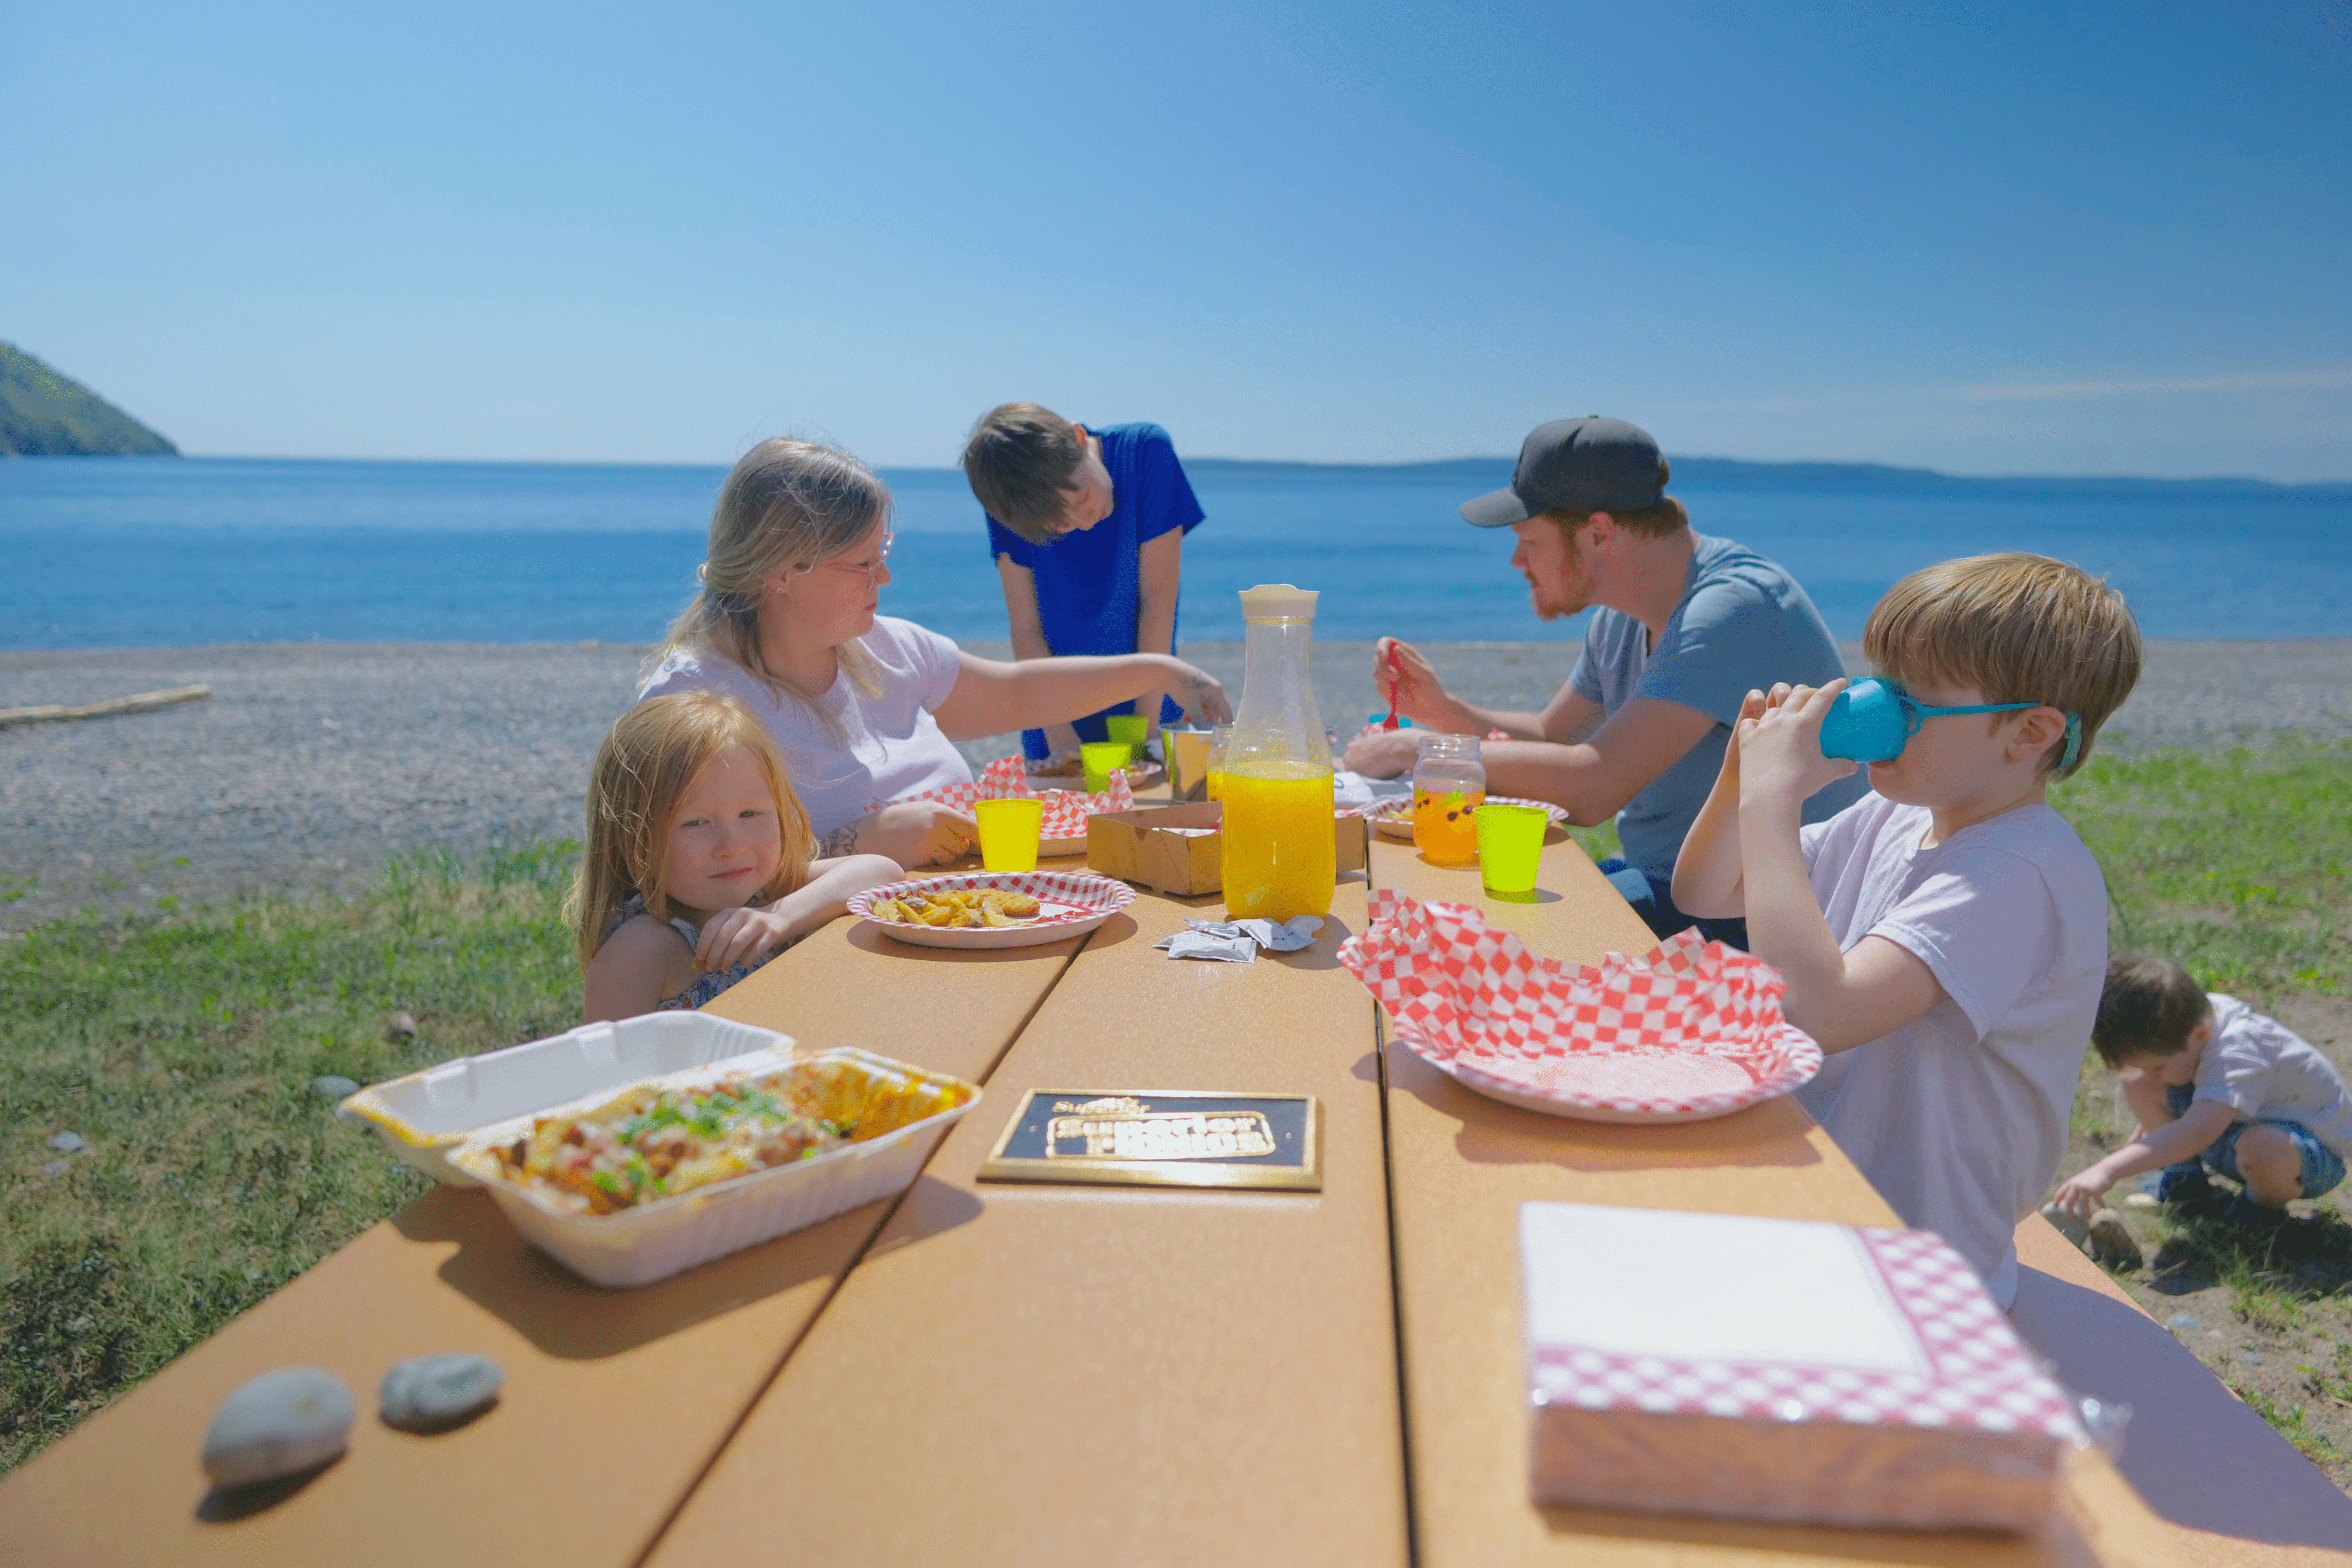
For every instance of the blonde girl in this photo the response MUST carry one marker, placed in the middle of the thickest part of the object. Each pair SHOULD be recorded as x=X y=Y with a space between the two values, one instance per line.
x=698 y=867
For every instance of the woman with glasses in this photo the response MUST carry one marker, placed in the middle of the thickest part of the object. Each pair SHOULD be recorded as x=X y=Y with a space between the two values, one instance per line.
x=864 y=707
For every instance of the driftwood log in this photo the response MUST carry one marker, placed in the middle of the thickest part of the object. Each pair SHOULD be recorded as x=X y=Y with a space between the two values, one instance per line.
x=139 y=703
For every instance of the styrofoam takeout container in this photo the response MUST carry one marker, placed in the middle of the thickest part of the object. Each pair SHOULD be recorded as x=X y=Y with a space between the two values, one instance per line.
x=424 y=1115
x=639 y=1245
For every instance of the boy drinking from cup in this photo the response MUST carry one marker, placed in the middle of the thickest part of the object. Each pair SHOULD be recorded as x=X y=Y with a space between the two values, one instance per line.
x=1086 y=526
x=1945 y=938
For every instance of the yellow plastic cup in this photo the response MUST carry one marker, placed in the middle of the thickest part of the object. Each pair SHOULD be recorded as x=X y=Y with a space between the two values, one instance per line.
x=1098 y=757
x=1510 y=845
x=1008 y=833
x=1127 y=729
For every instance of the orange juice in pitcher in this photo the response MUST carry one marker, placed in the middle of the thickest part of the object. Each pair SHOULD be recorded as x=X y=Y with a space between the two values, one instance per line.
x=1280 y=843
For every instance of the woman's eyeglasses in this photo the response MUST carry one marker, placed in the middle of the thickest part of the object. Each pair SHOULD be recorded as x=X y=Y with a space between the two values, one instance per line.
x=871 y=566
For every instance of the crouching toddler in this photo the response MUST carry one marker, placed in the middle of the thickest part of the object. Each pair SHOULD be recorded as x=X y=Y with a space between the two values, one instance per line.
x=2217 y=1087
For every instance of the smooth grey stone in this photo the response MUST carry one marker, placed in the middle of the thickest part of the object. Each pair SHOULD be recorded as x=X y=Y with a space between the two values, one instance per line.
x=2181 y=1320
x=68 y=1143
x=56 y=1168
x=432 y=1392
x=279 y=1423
x=334 y=1086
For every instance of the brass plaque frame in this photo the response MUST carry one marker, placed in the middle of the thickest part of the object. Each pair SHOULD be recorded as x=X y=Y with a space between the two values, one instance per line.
x=1108 y=1170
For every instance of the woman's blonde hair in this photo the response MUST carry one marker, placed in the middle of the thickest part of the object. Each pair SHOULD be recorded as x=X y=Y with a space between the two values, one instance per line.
x=2017 y=628
x=643 y=771
x=788 y=505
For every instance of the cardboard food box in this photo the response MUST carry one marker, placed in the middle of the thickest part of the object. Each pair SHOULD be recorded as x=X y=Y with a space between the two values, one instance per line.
x=1175 y=849
x=1782 y=1370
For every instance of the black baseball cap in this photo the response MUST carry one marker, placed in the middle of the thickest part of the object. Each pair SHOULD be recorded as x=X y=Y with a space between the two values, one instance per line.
x=1575 y=464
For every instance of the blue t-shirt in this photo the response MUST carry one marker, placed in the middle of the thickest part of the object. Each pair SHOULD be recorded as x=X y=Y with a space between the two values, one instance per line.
x=1742 y=624
x=1088 y=591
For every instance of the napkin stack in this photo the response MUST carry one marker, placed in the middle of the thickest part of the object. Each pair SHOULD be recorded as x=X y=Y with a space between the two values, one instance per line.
x=1779 y=1370
x=1686 y=1022
x=1066 y=810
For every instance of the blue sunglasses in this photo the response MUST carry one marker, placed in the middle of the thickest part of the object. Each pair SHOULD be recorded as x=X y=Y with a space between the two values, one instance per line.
x=1871 y=720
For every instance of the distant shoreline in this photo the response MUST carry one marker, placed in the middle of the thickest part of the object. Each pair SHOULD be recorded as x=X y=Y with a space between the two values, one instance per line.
x=1693 y=472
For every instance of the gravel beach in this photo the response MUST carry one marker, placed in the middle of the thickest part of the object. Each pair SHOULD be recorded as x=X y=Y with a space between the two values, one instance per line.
x=312 y=761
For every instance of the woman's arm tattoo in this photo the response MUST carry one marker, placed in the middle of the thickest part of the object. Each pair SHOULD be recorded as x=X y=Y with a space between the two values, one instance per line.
x=842 y=840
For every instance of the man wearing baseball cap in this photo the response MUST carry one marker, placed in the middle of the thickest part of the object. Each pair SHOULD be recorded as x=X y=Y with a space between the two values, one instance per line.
x=1684 y=627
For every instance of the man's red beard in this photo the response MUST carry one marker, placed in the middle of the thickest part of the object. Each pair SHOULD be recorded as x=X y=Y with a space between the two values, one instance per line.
x=1569 y=601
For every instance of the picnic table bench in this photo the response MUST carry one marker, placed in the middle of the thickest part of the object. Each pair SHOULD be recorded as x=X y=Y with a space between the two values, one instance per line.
x=1054 y=1374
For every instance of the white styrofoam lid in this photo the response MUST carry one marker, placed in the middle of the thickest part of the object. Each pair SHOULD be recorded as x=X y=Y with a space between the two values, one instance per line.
x=1709 y=1287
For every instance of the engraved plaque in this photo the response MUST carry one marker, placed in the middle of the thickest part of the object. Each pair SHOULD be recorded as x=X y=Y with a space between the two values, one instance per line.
x=1172 y=1139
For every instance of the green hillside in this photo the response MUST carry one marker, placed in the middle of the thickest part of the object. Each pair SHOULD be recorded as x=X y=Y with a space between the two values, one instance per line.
x=42 y=411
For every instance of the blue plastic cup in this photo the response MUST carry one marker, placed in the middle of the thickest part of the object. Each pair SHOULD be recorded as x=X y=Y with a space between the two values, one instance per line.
x=1866 y=723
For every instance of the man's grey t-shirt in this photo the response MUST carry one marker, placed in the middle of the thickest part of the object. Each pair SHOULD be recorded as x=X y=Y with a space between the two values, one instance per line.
x=1742 y=624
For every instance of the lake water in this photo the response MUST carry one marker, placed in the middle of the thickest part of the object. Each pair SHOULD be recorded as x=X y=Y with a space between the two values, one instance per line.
x=98 y=551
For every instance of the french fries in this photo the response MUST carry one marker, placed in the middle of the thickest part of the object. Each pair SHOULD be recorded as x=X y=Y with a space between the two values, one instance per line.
x=966 y=907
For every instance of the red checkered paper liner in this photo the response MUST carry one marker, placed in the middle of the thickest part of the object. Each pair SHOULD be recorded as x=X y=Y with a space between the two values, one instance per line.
x=1982 y=1379
x=1468 y=996
x=1087 y=894
x=1065 y=810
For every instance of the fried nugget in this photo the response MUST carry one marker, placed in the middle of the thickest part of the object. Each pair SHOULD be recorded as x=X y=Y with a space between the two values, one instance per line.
x=1020 y=906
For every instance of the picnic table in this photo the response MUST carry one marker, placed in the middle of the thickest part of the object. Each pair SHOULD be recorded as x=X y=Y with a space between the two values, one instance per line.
x=1061 y=1374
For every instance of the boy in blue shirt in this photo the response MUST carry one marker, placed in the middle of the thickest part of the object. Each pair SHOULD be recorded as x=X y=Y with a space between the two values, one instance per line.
x=1086 y=527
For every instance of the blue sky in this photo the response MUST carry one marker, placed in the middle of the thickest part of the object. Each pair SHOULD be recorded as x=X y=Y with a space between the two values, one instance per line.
x=1991 y=239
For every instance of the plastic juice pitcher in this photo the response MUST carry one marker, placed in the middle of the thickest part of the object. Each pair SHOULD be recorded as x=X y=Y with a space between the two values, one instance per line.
x=1280 y=844
x=1448 y=783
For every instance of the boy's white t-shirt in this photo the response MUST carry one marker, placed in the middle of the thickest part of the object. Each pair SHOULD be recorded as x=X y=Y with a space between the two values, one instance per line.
x=2266 y=1072
x=1960 y=1118
x=894 y=749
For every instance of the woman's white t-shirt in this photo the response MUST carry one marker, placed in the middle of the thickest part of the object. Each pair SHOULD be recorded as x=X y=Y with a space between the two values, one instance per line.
x=894 y=748
x=1960 y=1118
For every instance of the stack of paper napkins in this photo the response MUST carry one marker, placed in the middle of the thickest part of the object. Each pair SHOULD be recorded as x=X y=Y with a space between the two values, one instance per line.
x=1779 y=1370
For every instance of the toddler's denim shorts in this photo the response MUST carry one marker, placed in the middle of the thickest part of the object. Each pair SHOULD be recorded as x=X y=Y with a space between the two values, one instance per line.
x=2323 y=1167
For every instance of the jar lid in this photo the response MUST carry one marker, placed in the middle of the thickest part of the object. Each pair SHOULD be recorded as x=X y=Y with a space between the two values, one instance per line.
x=1279 y=602
x=1433 y=744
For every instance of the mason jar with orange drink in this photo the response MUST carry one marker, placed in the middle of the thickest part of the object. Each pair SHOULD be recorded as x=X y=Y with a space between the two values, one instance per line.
x=1449 y=783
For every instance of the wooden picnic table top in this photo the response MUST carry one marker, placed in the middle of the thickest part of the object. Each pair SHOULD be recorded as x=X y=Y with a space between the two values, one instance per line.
x=981 y=1371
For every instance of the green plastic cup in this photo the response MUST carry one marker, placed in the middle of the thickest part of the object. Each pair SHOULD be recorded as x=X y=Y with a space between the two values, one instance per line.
x=1008 y=833
x=1098 y=757
x=1510 y=845
x=1128 y=729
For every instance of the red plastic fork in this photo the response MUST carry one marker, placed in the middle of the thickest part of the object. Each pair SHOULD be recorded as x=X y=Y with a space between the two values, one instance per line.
x=1391 y=721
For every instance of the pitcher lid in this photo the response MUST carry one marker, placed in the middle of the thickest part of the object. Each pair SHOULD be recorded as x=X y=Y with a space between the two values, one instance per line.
x=1279 y=602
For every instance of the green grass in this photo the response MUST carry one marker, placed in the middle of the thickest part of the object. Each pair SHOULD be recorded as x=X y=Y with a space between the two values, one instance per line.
x=182 y=1047
x=2234 y=863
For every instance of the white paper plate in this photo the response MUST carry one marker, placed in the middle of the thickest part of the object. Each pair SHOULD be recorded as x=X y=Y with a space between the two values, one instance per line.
x=1804 y=1061
x=1070 y=902
x=1396 y=820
